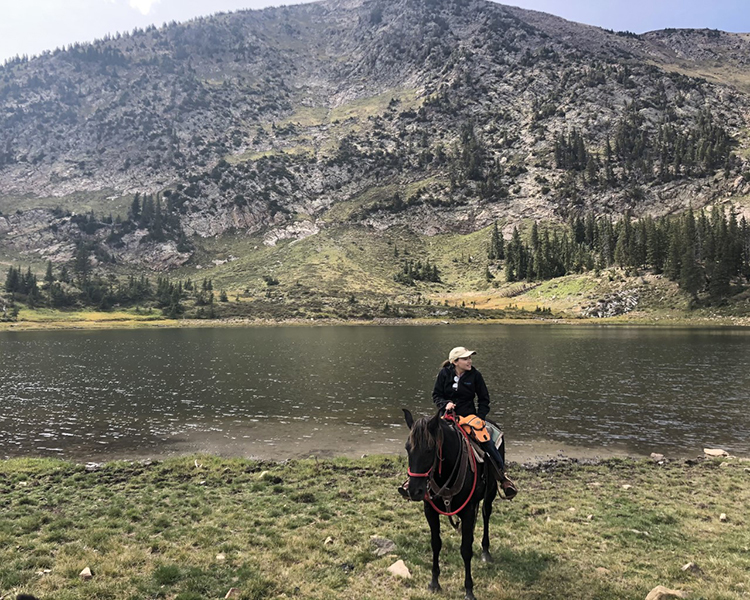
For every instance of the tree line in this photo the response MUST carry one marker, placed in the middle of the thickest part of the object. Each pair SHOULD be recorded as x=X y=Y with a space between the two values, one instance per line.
x=412 y=271
x=82 y=289
x=703 y=253
x=644 y=155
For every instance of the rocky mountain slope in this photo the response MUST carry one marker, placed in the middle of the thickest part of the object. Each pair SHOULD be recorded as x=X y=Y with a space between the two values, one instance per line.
x=435 y=115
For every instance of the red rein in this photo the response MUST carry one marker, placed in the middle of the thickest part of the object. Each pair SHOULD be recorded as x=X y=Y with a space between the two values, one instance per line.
x=427 y=474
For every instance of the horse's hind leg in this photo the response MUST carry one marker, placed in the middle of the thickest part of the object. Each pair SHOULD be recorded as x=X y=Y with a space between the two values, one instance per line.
x=468 y=519
x=433 y=519
x=489 y=496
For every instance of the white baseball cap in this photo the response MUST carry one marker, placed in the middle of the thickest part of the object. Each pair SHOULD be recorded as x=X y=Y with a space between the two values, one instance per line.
x=460 y=352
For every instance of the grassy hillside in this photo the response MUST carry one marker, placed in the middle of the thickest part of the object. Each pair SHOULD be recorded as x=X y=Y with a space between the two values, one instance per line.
x=349 y=272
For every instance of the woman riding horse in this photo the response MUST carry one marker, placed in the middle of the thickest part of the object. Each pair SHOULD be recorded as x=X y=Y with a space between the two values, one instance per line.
x=456 y=386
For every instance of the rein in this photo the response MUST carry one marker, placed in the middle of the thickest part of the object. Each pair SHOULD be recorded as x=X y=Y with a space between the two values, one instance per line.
x=461 y=463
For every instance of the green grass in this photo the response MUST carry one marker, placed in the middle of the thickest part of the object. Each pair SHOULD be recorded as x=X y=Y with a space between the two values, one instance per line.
x=252 y=156
x=47 y=318
x=101 y=202
x=195 y=527
x=374 y=105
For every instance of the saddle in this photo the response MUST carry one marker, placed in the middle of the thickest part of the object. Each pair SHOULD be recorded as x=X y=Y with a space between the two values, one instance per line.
x=480 y=432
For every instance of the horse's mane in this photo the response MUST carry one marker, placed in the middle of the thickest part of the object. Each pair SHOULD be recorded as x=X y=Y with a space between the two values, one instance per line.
x=421 y=438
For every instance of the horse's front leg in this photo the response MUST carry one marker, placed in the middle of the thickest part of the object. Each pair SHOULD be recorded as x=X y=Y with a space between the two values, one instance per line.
x=489 y=496
x=433 y=519
x=468 y=519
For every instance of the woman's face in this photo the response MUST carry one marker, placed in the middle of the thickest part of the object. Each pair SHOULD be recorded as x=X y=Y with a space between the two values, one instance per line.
x=464 y=363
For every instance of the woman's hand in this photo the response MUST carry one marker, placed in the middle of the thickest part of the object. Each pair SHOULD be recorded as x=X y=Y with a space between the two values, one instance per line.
x=450 y=406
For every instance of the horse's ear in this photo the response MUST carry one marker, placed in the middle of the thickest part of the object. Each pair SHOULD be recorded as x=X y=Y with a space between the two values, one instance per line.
x=408 y=417
x=433 y=425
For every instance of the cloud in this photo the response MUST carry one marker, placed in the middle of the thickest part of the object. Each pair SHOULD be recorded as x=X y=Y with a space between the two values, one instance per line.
x=143 y=5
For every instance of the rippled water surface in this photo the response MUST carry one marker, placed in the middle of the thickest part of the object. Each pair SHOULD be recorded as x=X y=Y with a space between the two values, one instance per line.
x=294 y=391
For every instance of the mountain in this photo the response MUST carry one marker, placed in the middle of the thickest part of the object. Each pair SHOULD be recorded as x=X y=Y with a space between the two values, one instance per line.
x=432 y=116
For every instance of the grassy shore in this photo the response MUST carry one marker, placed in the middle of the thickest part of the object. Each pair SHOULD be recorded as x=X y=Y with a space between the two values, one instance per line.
x=49 y=320
x=192 y=528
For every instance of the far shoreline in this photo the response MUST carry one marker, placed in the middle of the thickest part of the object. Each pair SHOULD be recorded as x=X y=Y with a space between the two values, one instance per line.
x=526 y=454
x=522 y=462
x=644 y=321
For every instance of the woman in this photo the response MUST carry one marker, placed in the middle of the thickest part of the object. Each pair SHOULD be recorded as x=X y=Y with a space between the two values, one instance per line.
x=456 y=386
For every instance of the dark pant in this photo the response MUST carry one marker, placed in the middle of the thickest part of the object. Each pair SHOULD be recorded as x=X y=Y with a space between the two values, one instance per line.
x=490 y=449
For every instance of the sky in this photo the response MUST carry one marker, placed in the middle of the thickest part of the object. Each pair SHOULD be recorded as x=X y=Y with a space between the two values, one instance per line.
x=32 y=26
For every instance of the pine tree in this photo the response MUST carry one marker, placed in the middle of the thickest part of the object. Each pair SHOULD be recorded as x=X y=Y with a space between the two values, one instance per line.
x=735 y=250
x=147 y=212
x=654 y=246
x=623 y=249
x=12 y=280
x=691 y=274
x=673 y=264
x=157 y=226
x=49 y=277
x=744 y=243
x=497 y=244
x=81 y=265
x=590 y=230
x=134 y=213
x=638 y=248
x=719 y=284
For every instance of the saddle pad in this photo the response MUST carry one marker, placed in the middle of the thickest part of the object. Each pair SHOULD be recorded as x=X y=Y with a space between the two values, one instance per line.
x=495 y=434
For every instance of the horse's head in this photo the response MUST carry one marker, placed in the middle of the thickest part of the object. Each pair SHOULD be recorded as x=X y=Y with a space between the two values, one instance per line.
x=422 y=446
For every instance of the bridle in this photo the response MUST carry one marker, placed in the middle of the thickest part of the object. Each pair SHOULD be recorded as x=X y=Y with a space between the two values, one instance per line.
x=459 y=471
x=425 y=474
x=438 y=460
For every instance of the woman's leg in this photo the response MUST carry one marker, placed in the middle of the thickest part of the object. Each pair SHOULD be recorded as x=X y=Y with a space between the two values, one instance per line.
x=508 y=487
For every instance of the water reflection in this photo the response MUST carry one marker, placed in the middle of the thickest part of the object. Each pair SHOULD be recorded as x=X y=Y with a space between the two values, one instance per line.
x=291 y=391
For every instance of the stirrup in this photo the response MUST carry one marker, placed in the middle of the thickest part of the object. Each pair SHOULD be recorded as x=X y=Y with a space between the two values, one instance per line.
x=509 y=488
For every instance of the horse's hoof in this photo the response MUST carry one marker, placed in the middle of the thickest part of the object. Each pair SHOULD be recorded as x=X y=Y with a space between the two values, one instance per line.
x=486 y=557
x=434 y=587
x=470 y=596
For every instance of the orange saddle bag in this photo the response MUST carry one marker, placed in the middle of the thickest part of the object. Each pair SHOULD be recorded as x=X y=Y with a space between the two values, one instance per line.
x=475 y=427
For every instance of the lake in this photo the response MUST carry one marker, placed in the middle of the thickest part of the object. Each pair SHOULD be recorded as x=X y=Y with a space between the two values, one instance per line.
x=292 y=391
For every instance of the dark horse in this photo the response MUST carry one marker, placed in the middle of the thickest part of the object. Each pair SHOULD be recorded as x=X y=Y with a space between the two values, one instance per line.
x=435 y=449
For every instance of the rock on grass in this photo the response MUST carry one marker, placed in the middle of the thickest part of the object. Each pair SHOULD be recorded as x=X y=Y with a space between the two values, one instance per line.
x=662 y=593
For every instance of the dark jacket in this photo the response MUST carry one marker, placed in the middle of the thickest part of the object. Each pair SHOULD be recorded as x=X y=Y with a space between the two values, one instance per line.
x=470 y=385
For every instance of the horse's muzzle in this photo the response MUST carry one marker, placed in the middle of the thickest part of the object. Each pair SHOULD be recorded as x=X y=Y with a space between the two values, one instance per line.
x=417 y=489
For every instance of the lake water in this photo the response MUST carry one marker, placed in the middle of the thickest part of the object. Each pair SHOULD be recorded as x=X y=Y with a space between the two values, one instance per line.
x=281 y=392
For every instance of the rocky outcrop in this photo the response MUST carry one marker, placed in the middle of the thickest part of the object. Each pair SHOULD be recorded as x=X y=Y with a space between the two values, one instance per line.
x=295 y=231
x=49 y=235
x=40 y=232
x=617 y=303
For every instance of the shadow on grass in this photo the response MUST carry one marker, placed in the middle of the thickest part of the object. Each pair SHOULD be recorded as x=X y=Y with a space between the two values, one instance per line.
x=526 y=567
x=540 y=575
